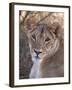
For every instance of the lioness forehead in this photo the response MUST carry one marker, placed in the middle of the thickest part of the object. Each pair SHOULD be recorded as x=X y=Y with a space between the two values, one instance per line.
x=40 y=28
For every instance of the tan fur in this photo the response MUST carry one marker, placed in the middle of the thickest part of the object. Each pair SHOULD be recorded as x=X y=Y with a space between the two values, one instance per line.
x=52 y=56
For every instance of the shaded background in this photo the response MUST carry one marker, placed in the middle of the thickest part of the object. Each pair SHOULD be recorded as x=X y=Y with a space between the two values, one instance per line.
x=25 y=62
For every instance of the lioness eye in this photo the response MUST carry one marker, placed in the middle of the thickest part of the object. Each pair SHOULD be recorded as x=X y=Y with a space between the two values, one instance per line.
x=47 y=39
x=34 y=37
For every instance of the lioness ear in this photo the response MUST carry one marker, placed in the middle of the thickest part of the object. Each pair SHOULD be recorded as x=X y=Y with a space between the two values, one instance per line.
x=57 y=29
x=25 y=30
x=27 y=25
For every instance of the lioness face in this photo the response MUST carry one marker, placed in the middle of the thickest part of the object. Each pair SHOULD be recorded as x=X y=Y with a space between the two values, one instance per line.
x=40 y=41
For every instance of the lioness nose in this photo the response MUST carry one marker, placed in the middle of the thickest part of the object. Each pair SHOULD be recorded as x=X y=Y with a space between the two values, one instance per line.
x=37 y=52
